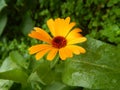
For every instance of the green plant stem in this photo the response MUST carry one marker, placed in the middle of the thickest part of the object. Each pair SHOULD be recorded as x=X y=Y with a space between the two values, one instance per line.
x=54 y=62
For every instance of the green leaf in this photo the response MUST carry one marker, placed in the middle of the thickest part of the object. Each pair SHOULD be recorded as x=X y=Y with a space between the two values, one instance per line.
x=2 y=4
x=99 y=68
x=5 y=84
x=48 y=74
x=117 y=11
x=58 y=86
x=18 y=59
x=34 y=78
x=98 y=89
x=7 y=65
x=112 y=2
x=27 y=24
x=16 y=75
x=45 y=73
x=3 y=21
x=11 y=71
x=35 y=82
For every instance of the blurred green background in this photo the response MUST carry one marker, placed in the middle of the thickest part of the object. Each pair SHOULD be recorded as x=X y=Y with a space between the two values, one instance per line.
x=99 y=19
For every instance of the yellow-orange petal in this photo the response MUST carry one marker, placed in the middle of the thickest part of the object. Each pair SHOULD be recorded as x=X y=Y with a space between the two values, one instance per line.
x=40 y=34
x=67 y=20
x=75 y=33
x=76 y=49
x=65 y=53
x=68 y=28
x=37 y=48
x=52 y=53
x=40 y=54
x=59 y=26
x=51 y=26
x=43 y=32
x=76 y=40
x=62 y=27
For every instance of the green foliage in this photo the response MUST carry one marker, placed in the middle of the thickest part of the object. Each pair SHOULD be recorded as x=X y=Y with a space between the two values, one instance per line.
x=2 y=4
x=98 y=69
x=94 y=70
x=10 y=71
x=111 y=32
x=3 y=21
x=93 y=16
x=105 y=25
x=27 y=24
x=91 y=70
x=6 y=46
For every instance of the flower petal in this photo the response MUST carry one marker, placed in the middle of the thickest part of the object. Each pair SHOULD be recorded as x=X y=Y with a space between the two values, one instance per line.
x=68 y=28
x=40 y=34
x=75 y=37
x=62 y=27
x=59 y=25
x=65 y=52
x=76 y=49
x=36 y=48
x=67 y=20
x=75 y=33
x=76 y=40
x=40 y=54
x=52 y=54
x=51 y=26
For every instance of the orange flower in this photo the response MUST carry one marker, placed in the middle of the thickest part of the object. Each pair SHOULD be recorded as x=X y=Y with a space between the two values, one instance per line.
x=63 y=41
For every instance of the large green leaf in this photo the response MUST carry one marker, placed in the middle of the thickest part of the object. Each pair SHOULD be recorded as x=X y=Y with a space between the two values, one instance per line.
x=5 y=84
x=16 y=75
x=2 y=4
x=35 y=81
x=27 y=24
x=11 y=71
x=3 y=21
x=112 y=2
x=7 y=65
x=49 y=74
x=18 y=59
x=45 y=73
x=58 y=86
x=99 y=68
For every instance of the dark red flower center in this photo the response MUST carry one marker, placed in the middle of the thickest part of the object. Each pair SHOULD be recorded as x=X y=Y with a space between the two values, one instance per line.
x=59 y=42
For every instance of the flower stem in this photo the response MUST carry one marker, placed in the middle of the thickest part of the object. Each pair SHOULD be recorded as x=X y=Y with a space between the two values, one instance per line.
x=54 y=62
